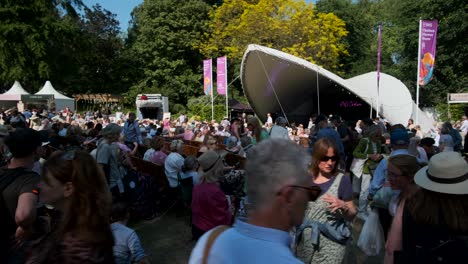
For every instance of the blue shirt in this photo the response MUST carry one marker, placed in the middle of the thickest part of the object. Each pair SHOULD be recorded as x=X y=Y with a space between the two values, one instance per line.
x=127 y=246
x=380 y=173
x=246 y=243
x=331 y=133
x=132 y=132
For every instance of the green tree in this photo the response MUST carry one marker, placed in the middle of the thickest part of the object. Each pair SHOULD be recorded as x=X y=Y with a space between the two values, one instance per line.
x=289 y=25
x=452 y=51
x=162 y=37
x=27 y=30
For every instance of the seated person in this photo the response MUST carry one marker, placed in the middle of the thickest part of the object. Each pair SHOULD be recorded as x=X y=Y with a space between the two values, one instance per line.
x=127 y=247
x=210 y=207
x=155 y=153
x=190 y=169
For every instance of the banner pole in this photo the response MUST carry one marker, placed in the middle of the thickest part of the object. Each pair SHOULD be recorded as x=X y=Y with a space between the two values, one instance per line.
x=419 y=68
x=378 y=68
x=318 y=93
x=227 y=94
x=212 y=88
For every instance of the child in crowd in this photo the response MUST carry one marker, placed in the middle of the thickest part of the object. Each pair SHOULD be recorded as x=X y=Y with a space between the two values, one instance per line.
x=127 y=246
x=190 y=169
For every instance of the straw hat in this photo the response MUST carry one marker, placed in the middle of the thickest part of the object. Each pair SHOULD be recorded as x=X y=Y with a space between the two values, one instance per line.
x=447 y=172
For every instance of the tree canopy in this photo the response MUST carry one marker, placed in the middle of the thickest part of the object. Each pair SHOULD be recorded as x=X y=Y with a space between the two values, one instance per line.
x=288 y=25
x=162 y=38
x=82 y=49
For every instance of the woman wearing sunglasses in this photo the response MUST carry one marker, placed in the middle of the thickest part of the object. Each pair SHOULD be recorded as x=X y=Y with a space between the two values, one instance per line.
x=325 y=232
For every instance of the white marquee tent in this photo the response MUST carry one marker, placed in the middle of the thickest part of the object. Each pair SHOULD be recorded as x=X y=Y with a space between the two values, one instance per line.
x=61 y=101
x=14 y=94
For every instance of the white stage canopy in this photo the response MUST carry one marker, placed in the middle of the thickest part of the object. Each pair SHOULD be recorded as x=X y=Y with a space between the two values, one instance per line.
x=277 y=82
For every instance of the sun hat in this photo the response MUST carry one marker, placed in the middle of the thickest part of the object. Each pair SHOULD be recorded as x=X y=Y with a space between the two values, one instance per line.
x=399 y=137
x=208 y=160
x=447 y=172
x=111 y=129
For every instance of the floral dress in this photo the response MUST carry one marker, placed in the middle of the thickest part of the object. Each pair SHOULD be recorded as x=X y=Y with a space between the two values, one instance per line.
x=327 y=251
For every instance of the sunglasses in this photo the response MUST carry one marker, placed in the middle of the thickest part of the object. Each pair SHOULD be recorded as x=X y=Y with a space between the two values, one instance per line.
x=327 y=158
x=312 y=191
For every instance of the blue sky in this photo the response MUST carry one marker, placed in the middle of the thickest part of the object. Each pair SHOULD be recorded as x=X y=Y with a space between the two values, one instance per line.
x=123 y=9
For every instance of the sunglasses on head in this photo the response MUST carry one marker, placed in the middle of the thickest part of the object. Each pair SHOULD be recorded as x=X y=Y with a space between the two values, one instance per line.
x=327 y=158
x=312 y=191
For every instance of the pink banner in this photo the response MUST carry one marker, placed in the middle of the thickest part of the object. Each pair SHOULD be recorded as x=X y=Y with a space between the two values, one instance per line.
x=221 y=75
x=207 y=77
x=428 y=36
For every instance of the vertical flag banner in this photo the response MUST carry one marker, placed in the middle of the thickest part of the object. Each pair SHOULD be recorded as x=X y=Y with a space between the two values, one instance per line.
x=428 y=36
x=221 y=77
x=207 y=77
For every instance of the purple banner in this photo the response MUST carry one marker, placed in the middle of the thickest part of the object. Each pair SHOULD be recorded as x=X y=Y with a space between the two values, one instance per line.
x=379 y=45
x=428 y=37
x=221 y=76
x=207 y=77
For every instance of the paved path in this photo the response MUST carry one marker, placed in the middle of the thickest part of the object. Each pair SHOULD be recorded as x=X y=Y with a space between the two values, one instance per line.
x=168 y=240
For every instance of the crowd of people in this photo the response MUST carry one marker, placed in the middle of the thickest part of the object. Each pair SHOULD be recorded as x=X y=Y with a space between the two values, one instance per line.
x=273 y=193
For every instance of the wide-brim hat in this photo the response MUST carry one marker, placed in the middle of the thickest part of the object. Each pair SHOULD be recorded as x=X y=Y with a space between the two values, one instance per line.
x=208 y=160
x=447 y=172
x=111 y=129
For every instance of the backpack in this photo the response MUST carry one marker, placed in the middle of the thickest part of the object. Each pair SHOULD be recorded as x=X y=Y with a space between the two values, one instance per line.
x=426 y=244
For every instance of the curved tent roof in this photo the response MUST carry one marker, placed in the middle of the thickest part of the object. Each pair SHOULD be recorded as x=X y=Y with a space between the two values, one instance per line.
x=16 y=89
x=49 y=89
x=277 y=82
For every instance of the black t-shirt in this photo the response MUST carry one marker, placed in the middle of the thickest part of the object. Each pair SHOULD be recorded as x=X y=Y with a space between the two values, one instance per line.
x=25 y=182
x=423 y=243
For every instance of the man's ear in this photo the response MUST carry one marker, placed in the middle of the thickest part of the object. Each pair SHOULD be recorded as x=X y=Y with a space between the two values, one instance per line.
x=287 y=195
x=68 y=189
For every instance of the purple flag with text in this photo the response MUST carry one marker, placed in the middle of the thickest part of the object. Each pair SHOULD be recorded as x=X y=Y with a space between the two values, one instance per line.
x=221 y=76
x=207 y=77
x=428 y=37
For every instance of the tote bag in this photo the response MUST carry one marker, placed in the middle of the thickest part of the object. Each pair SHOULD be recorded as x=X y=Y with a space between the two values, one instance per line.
x=357 y=165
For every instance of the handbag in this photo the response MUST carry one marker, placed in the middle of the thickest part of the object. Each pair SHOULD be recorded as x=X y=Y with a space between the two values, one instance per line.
x=371 y=240
x=357 y=165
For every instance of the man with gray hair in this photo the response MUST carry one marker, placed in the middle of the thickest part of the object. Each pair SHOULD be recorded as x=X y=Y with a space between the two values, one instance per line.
x=278 y=190
x=279 y=129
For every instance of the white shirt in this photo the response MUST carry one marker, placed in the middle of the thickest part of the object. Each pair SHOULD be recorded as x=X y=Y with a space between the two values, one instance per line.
x=464 y=126
x=422 y=155
x=172 y=166
x=269 y=120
